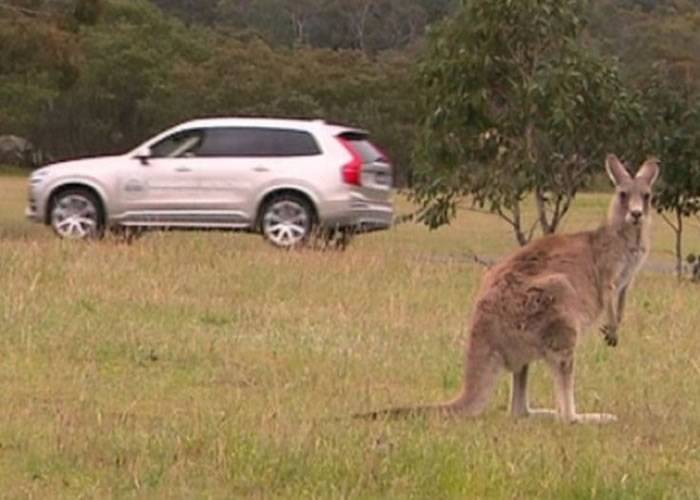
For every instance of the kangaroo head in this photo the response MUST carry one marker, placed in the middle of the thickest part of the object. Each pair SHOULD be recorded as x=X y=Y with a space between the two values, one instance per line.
x=632 y=200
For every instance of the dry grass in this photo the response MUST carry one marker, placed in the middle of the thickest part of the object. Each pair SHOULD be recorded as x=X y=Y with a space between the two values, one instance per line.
x=211 y=365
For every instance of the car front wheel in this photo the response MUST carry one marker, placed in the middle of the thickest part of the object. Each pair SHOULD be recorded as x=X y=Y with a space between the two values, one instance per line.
x=287 y=221
x=76 y=215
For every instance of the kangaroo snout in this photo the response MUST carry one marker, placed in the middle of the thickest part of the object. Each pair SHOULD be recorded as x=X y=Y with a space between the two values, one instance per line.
x=635 y=215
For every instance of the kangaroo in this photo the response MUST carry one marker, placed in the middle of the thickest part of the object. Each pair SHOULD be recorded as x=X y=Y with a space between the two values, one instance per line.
x=537 y=302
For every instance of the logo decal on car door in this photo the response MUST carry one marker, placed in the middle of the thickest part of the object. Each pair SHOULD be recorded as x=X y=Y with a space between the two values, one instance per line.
x=133 y=186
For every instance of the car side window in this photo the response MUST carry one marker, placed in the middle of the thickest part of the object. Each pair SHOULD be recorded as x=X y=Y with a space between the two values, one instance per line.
x=257 y=142
x=223 y=142
x=185 y=143
x=279 y=142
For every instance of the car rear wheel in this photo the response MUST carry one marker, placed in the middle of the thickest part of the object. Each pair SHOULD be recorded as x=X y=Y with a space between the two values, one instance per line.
x=76 y=214
x=287 y=220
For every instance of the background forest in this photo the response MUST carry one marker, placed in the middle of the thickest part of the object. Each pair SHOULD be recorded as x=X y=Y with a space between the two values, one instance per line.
x=94 y=76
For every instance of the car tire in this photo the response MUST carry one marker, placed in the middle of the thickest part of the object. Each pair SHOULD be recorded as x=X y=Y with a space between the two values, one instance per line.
x=77 y=214
x=287 y=220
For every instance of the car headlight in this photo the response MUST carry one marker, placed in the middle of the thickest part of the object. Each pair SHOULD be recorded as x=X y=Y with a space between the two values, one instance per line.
x=39 y=176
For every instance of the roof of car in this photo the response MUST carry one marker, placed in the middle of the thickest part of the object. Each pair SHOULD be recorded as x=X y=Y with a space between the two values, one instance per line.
x=268 y=123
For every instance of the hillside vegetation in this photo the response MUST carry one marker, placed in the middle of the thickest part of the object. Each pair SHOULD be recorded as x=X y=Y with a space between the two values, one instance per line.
x=80 y=77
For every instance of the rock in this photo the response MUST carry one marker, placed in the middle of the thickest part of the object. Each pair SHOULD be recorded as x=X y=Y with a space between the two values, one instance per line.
x=17 y=151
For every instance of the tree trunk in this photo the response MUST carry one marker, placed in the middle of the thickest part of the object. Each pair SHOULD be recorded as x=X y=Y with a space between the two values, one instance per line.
x=559 y=210
x=679 y=243
x=542 y=212
x=516 y=223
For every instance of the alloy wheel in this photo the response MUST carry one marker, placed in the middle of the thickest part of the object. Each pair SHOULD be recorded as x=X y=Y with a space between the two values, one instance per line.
x=75 y=216
x=286 y=222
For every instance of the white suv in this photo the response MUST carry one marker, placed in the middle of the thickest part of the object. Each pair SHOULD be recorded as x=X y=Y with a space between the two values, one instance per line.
x=283 y=178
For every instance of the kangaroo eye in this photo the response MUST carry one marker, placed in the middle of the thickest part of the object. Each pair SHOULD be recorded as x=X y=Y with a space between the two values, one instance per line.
x=623 y=196
x=647 y=197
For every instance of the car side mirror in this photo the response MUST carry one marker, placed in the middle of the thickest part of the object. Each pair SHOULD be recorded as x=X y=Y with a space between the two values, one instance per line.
x=143 y=155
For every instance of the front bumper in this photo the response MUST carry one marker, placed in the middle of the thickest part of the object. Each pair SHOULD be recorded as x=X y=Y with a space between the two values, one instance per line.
x=32 y=212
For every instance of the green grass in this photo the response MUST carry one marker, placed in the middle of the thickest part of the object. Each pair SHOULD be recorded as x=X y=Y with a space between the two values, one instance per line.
x=13 y=171
x=202 y=365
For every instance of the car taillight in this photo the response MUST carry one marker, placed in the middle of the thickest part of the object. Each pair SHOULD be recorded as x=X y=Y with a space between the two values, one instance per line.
x=352 y=172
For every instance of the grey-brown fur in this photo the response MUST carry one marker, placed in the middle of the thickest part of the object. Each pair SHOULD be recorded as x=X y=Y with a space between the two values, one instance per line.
x=537 y=303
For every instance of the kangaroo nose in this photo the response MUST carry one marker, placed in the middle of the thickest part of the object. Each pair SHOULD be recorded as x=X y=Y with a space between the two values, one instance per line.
x=636 y=214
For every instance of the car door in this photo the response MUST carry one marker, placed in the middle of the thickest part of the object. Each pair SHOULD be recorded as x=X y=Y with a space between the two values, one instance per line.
x=238 y=162
x=226 y=175
x=251 y=159
x=164 y=186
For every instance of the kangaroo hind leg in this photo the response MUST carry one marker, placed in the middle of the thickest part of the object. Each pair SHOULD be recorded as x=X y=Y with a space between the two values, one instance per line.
x=561 y=338
x=519 y=405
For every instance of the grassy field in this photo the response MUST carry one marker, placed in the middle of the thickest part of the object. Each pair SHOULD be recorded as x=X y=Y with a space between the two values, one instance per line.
x=209 y=365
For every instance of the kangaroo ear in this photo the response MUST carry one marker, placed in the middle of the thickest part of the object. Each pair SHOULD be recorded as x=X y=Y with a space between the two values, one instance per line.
x=616 y=170
x=649 y=171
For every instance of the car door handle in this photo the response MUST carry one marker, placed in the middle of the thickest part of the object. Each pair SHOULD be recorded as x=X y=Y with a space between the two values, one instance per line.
x=183 y=169
x=261 y=169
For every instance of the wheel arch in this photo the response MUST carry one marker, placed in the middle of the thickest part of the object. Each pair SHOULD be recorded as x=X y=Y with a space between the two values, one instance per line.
x=272 y=193
x=56 y=190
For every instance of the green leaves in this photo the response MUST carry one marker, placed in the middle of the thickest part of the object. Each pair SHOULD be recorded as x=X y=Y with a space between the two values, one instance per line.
x=671 y=131
x=523 y=107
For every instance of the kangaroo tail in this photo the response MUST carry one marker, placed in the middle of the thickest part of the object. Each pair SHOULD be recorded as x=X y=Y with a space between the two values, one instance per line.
x=444 y=409
x=481 y=375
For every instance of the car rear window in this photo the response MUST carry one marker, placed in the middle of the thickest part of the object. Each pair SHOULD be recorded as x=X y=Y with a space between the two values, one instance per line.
x=257 y=142
x=368 y=151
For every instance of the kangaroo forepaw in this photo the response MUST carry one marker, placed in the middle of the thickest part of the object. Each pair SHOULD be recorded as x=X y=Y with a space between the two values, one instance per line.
x=609 y=334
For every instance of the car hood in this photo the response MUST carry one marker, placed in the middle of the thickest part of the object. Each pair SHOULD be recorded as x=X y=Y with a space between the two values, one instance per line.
x=82 y=165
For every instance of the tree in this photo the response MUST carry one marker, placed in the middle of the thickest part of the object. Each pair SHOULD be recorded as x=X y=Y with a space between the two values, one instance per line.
x=671 y=129
x=37 y=62
x=642 y=32
x=191 y=11
x=87 y=11
x=514 y=106
x=121 y=92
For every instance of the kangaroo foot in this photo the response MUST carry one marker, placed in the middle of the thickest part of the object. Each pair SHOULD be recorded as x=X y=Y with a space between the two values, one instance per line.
x=535 y=412
x=592 y=418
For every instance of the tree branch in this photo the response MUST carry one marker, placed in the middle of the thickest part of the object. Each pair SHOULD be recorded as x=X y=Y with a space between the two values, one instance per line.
x=531 y=231
x=668 y=221
x=560 y=210
x=472 y=209
x=478 y=260
x=503 y=216
x=23 y=10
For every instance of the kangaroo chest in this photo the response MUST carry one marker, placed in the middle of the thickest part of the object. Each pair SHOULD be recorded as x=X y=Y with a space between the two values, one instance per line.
x=629 y=265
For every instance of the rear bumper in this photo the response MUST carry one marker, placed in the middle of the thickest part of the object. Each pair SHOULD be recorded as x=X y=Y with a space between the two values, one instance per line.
x=369 y=219
x=361 y=216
